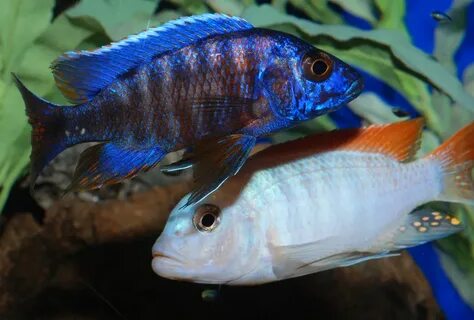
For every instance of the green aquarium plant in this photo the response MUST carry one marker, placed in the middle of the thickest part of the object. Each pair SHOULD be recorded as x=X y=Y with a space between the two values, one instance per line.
x=31 y=38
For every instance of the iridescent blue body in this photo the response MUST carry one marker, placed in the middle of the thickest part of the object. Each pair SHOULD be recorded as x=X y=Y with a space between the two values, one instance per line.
x=215 y=93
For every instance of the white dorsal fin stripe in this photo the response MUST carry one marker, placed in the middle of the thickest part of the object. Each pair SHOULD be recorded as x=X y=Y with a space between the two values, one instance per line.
x=165 y=27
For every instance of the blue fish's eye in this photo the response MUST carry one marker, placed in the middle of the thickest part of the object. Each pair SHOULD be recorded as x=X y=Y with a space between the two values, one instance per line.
x=317 y=66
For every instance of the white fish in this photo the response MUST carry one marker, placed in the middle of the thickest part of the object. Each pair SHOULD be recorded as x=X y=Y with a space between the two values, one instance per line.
x=325 y=201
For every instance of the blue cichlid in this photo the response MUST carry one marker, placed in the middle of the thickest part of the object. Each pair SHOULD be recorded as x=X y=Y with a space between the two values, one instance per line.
x=209 y=83
x=326 y=201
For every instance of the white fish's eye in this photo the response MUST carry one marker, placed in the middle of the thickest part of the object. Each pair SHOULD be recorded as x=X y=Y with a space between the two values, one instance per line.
x=206 y=218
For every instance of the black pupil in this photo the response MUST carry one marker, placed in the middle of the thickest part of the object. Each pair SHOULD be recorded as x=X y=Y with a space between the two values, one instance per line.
x=319 y=67
x=208 y=220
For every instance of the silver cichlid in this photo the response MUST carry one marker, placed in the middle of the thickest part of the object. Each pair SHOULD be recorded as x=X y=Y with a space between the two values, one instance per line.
x=325 y=201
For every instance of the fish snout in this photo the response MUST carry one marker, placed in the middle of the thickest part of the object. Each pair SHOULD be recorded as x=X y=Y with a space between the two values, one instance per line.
x=163 y=252
x=165 y=264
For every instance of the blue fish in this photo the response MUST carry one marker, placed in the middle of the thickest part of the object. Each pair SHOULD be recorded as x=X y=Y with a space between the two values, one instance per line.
x=208 y=83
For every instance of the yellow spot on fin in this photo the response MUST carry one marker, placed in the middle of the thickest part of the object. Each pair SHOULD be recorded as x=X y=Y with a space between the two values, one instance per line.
x=455 y=221
x=421 y=228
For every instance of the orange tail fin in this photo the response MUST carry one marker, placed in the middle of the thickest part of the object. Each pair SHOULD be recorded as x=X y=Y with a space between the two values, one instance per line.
x=457 y=158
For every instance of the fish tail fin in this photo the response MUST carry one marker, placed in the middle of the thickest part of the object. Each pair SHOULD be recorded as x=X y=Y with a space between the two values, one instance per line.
x=425 y=225
x=48 y=135
x=456 y=156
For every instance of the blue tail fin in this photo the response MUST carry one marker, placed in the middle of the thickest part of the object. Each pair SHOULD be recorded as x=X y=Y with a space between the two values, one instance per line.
x=48 y=135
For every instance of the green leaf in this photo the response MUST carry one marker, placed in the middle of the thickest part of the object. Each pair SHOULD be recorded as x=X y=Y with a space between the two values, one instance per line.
x=317 y=10
x=233 y=8
x=279 y=4
x=21 y=22
x=462 y=279
x=14 y=165
x=33 y=68
x=448 y=38
x=167 y=15
x=370 y=107
x=322 y=123
x=359 y=8
x=191 y=6
x=392 y=15
x=429 y=142
x=63 y=35
x=119 y=18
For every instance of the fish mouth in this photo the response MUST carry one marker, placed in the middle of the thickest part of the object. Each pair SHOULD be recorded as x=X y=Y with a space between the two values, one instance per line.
x=168 y=267
x=162 y=255
x=158 y=255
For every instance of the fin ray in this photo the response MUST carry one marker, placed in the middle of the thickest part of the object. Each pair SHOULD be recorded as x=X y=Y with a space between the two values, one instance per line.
x=456 y=155
x=298 y=260
x=179 y=165
x=422 y=226
x=48 y=127
x=110 y=163
x=217 y=159
x=399 y=140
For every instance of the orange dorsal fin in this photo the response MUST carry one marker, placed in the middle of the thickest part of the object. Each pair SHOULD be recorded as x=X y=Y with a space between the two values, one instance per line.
x=399 y=140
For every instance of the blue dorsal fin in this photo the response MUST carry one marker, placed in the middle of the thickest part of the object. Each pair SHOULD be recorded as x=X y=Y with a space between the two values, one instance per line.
x=81 y=75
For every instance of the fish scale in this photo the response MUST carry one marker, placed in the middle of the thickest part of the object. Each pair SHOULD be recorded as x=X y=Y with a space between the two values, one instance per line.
x=335 y=182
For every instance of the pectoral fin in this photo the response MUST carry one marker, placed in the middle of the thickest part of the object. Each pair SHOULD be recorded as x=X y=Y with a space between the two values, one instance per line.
x=179 y=165
x=109 y=163
x=299 y=260
x=217 y=159
x=187 y=161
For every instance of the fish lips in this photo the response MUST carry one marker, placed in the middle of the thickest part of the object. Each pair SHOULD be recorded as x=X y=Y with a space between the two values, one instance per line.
x=355 y=88
x=165 y=265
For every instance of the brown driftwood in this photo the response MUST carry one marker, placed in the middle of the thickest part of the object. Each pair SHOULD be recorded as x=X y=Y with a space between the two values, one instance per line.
x=88 y=259
x=30 y=253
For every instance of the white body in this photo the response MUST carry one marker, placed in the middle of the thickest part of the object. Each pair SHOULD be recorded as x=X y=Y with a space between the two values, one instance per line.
x=341 y=201
x=356 y=200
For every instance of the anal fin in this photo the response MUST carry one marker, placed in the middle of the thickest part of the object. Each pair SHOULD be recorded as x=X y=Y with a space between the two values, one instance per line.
x=110 y=163
x=422 y=226
x=217 y=159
